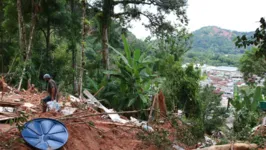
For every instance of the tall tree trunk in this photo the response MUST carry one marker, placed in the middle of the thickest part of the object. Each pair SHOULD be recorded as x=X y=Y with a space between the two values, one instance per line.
x=82 y=48
x=74 y=67
x=28 y=48
x=22 y=30
x=73 y=49
x=106 y=19
x=47 y=38
x=105 y=46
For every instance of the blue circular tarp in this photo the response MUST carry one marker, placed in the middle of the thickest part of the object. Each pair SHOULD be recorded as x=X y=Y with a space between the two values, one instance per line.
x=44 y=133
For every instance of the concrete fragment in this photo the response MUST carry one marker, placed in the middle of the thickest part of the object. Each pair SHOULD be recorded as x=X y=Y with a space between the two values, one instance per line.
x=68 y=110
x=6 y=109
x=236 y=146
x=28 y=105
x=74 y=99
x=177 y=147
x=147 y=128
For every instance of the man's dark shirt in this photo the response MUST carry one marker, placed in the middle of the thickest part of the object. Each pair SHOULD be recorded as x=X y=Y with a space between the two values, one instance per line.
x=52 y=84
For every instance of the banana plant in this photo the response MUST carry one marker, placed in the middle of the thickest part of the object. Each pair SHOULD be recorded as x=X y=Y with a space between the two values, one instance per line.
x=247 y=98
x=134 y=75
x=246 y=103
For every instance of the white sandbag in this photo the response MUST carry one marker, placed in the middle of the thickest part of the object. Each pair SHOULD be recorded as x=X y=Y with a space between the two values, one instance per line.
x=53 y=105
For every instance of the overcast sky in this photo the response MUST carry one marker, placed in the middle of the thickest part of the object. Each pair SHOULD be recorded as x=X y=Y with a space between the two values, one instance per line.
x=239 y=15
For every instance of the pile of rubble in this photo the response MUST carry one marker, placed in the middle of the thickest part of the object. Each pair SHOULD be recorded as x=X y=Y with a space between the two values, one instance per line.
x=90 y=124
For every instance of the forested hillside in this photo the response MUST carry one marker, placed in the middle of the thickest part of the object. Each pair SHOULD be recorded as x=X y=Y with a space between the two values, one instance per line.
x=215 y=46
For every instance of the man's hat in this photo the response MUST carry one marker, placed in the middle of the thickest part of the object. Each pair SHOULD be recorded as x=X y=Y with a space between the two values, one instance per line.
x=46 y=76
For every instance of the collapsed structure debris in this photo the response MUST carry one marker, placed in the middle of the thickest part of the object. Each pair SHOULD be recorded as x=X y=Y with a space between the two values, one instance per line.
x=80 y=116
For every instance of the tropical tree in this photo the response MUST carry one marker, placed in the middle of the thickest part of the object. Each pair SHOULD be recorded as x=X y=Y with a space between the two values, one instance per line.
x=212 y=113
x=134 y=10
x=251 y=65
x=134 y=77
x=245 y=103
x=258 y=39
x=181 y=86
x=25 y=45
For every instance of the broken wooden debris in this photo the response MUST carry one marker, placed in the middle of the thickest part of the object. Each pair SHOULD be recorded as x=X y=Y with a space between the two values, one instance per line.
x=92 y=100
x=10 y=104
x=73 y=98
x=152 y=107
x=99 y=114
x=7 y=116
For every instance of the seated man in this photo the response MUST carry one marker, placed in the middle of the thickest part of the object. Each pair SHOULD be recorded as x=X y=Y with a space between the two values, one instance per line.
x=52 y=90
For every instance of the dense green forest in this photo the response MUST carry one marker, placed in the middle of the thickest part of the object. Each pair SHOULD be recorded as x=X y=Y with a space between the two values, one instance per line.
x=215 y=46
x=87 y=45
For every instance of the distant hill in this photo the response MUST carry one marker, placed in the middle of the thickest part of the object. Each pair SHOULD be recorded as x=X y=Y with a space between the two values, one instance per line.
x=217 y=40
x=215 y=46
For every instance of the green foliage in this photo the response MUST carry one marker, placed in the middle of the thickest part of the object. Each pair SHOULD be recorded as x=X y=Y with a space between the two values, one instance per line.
x=213 y=115
x=19 y=121
x=214 y=46
x=158 y=138
x=181 y=86
x=259 y=140
x=251 y=65
x=245 y=102
x=216 y=40
x=190 y=135
x=133 y=77
x=176 y=44
x=247 y=98
x=212 y=58
x=258 y=39
x=223 y=141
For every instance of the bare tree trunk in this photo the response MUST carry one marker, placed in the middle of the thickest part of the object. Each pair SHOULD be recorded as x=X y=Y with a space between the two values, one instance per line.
x=47 y=38
x=28 y=48
x=106 y=20
x=22 y=30
x=82 y=49
x=105 y=46
x=74 y=67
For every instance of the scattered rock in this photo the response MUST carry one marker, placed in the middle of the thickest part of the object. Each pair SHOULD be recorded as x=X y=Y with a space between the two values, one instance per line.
x=236 y=146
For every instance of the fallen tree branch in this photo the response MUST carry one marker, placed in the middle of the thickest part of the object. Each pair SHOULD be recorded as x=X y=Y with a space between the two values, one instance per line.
x=98 y=114
x=98 y=91
x=108 y=123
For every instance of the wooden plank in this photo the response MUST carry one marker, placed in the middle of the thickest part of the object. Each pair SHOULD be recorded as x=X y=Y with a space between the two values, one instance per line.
x=3 y=117
x=10 y=104
x=92 y=100
x=155 y=98
x=8 y=114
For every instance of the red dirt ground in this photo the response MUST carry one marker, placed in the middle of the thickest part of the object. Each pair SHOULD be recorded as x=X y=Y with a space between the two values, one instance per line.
x=83 y=136
x=99 y=134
